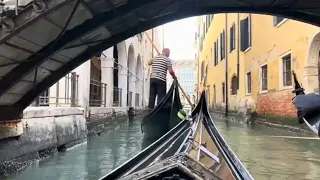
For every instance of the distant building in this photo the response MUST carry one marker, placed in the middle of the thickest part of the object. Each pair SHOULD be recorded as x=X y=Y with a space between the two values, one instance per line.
x=186 y=75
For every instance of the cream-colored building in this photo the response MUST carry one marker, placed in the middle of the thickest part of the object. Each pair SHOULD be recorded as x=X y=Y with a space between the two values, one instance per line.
x=113 y=80
x=261 y=52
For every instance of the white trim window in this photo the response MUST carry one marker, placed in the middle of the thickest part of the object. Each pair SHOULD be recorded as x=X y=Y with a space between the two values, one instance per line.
x=248 y=83
x=264 y=78
x=232 y=37
x=246 y=34
x=286 y=71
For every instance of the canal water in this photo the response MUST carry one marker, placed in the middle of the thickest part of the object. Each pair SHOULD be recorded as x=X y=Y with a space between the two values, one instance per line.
x=266 y=152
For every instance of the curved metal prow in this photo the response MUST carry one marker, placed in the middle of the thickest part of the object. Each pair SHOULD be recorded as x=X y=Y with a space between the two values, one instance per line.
x=298 y=90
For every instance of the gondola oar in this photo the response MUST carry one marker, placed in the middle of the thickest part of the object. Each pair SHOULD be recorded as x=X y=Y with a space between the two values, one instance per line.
x=185 y=95
x=183 y=92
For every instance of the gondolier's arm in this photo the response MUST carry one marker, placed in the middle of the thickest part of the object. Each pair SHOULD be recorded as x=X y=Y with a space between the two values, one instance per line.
x=150 y=61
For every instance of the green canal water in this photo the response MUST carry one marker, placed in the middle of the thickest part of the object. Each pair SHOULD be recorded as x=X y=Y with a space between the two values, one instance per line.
x=265 y=156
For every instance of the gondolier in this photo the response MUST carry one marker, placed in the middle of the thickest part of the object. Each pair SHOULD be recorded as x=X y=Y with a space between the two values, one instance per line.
x=158 y=78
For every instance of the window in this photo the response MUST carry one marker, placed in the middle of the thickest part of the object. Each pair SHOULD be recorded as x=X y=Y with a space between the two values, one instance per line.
x=212 y=55
x=216 y=53
x=264 y=78
x=222 y=45
x=245 y=30
x=286 y=71
x=223 y=93
x=277 y=20
x=248 y=82
x=204 y=31
x=202 y=70
x=232 y=37
x=234 y=85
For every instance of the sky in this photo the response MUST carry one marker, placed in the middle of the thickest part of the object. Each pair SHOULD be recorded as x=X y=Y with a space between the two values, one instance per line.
x=179 y=37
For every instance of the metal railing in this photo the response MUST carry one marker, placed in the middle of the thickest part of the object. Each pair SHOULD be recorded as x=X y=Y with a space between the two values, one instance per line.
x=43 y=99
x=137 y=99
x=66 y=93
x=129 y=99
x=117 y=96
x=98 y=93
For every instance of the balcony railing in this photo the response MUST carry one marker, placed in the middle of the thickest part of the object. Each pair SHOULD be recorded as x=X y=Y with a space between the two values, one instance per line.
x=129 y=99
x=117 y=96
x=66 y=93
x=137 y=99
x=98 y=92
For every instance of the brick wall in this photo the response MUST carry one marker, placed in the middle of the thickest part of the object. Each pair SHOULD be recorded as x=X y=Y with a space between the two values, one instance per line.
x=276 y=103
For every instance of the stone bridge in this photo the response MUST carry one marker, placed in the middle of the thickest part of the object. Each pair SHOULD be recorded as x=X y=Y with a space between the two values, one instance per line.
x=42 y=40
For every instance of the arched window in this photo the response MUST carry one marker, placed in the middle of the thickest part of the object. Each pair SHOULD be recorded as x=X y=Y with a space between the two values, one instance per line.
x=234 y=85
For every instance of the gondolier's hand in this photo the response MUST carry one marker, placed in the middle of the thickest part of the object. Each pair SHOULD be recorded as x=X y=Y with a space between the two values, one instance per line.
x=174 y=77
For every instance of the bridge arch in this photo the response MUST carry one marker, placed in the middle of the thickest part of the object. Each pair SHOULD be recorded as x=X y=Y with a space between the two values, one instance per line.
x=100 y=29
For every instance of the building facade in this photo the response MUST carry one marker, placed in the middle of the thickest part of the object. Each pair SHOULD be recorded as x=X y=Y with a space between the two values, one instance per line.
x=245 y=61
x=113 y=80
x=184 y=70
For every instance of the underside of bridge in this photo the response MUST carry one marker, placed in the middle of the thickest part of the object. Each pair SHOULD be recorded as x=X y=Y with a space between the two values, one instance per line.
x=49 y=38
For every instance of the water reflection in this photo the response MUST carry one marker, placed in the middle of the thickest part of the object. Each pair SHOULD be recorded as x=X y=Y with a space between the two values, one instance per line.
x=268 y=157
x=88 y=161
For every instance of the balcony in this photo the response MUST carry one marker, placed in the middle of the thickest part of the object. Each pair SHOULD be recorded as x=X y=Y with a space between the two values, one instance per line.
x=117 y=96
x=98 y=93
x=129 y=99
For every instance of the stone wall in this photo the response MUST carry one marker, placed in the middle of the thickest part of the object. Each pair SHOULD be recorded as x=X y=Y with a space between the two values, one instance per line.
x=44 y=131
x=277 y=103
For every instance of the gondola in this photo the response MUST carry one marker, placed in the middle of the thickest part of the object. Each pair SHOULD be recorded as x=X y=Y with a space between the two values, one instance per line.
x=308 y=106
x=193 y=149
x=164 y=117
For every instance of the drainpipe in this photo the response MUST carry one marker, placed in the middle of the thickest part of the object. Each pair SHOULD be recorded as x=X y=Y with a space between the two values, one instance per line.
x=238 y=50
x=226 y=55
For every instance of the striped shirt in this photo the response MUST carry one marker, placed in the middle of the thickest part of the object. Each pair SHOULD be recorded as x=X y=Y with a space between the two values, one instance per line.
x=160 y=65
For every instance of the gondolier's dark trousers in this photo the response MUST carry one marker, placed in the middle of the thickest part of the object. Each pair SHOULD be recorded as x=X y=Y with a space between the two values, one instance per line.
x=157 y=88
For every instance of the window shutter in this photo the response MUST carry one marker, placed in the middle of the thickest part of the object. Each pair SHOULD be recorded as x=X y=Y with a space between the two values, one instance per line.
x=242 y=33
x=224 y=44
x=217 y=51
x=221 y=46
x=231 y=38
x=246 y=33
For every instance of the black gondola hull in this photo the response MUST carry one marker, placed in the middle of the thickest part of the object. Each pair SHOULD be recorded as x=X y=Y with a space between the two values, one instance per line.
x=163 y=118
x=196 y=143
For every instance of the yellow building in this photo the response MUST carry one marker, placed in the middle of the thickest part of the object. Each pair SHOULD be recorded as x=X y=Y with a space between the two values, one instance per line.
x=261 y=52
